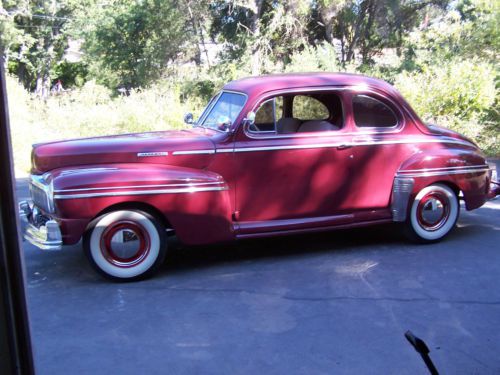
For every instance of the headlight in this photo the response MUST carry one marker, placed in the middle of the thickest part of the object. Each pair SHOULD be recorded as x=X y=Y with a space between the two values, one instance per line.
x=42 y=192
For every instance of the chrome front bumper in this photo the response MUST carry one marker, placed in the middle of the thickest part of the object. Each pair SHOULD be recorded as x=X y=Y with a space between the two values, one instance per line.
x=38 y=230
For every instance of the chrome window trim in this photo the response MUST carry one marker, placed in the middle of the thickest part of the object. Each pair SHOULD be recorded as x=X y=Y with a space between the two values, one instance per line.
x=380 y=129
x=356 y=89
x=143 y=192
x=195 y=184
x=274 y=116
x=206 y=112
x=272 y=94
x=209 y=107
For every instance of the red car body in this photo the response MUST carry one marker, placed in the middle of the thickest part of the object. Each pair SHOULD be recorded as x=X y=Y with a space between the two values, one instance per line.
x=211 y=185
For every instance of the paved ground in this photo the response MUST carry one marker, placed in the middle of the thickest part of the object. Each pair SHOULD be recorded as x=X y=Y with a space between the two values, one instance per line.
x=338 y=303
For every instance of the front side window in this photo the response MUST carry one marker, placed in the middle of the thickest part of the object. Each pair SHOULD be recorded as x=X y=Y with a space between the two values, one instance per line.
x=309 y=108
x=226 y=109
x=372 y=113
x=268 y=114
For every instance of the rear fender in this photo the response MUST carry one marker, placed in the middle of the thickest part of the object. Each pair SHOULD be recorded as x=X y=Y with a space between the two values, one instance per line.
x=463 y=170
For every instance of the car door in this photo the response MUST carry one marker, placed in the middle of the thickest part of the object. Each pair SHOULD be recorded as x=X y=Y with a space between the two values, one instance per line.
x=293 y=163
x=380 y=144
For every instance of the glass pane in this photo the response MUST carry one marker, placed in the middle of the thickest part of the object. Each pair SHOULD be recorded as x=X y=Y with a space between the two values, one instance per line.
x=229 y=105
x=265 y=113
x=308 y=108
x=370 y=112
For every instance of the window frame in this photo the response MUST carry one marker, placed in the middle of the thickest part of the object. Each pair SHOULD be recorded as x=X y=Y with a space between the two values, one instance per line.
x=273 y=99
x=385 y=101
x=304 y=91
x=213 y=102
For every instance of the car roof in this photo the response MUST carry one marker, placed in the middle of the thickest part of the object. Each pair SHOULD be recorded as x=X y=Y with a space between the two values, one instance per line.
x=261 y=84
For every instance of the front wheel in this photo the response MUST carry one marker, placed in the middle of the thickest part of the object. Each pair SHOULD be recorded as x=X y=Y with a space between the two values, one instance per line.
x=434 y=213
x=125 y=245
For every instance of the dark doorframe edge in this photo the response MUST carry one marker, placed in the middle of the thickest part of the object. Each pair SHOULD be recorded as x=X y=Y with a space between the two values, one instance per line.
x=17 y=357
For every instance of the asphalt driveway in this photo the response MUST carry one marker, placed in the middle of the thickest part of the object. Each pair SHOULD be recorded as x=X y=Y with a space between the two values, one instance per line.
x=335 y=302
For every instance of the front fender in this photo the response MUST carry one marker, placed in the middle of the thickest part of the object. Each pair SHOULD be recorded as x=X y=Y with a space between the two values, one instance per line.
x=194 y=202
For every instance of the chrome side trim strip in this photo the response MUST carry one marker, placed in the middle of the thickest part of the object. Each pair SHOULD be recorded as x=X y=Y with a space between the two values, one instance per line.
x=148 y=154
x=142 y=192
x=223 y=150
x=333 y=145
x=193 y=152
x=442 y=173
x=195 y=184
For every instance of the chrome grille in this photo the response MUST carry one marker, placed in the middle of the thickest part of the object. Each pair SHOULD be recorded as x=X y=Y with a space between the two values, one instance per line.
x=39 y=193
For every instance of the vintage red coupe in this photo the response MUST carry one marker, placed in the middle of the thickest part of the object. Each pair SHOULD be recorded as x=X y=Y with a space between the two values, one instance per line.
x=269 y=155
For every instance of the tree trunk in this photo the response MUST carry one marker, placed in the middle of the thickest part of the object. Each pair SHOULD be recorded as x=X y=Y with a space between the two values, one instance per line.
x=357 y=31
x=255 y=28
x=195 y=30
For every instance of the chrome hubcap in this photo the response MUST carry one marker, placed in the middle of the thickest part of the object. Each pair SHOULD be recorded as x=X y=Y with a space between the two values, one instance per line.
x=125 y=244
x=433 y=211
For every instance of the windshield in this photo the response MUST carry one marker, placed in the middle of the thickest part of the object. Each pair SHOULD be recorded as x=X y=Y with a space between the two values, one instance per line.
x=227 y=106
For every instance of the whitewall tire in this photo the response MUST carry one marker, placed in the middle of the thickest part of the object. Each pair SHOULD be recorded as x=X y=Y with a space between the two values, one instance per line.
x=433 y=214
x=125 y=244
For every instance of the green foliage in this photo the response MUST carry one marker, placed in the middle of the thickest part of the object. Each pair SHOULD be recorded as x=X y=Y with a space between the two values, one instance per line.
x=461 y=95
x=91 y=111
x=71 y=74
x=129 y=44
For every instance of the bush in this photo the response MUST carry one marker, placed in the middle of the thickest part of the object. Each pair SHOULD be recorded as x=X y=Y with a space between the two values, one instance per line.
x=460 y=95
x=91 y=111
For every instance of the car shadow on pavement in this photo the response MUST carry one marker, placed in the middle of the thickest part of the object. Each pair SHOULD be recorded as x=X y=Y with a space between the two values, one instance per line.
x=185 y=258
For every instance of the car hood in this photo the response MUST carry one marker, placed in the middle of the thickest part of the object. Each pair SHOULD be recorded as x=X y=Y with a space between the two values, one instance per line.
x=151 y=147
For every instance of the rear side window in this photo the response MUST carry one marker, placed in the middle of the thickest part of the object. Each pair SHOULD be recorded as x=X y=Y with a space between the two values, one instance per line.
x=372 y=113
x=309 y=108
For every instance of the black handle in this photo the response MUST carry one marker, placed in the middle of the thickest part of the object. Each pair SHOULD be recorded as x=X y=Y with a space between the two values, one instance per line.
x=421 y=348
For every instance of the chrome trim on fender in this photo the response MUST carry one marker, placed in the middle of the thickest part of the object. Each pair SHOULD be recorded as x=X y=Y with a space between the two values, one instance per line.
x=193 y=152
x=444 y=168
x=401 y=191
x=194 y=184
x=149 y=154
x=192 y=189
x=426 y=173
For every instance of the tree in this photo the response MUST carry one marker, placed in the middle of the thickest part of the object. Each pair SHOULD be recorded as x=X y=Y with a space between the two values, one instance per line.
x=129 y=43
x=264 y=31
x=37 y=40
x=10 y=35
x=369 y=26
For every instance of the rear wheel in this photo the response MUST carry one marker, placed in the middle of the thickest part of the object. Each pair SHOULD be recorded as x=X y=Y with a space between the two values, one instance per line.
x=434 y=213
x=125 y=245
